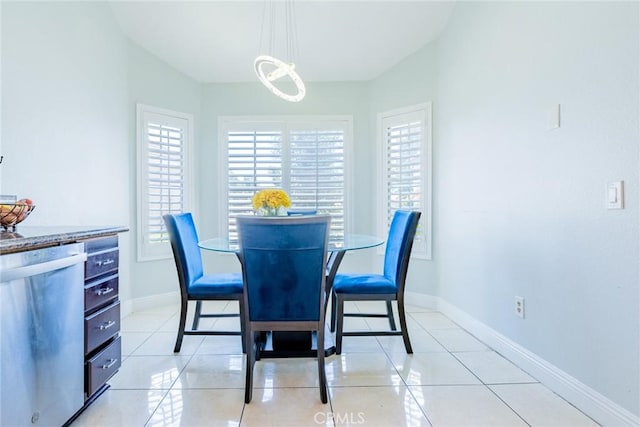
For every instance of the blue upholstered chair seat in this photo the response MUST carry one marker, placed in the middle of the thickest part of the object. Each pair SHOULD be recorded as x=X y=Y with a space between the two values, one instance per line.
x=216 y=284
x=387 y=287
x=194 y=284
x=363 y=284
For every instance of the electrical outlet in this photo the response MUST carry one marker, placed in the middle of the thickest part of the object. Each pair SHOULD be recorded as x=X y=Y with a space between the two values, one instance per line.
x=519 y=307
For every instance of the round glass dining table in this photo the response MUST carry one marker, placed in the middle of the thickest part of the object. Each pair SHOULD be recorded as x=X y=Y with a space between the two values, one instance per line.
x=344 y=243
x=338 y=247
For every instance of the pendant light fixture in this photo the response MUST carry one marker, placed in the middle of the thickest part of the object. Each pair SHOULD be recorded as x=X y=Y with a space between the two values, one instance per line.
x=273 y=72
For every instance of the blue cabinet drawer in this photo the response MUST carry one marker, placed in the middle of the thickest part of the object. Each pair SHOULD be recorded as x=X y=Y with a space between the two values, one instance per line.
x=101 y=262
x=100 y=292
x=100 y=326
x=103 y=365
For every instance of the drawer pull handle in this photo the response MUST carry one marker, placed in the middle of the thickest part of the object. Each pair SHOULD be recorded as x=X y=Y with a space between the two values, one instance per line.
x=110 y=363
x=104 y=291
x=109 y=261
x=107 y=325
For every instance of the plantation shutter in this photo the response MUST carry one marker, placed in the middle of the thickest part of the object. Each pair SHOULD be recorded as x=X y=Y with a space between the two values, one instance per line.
x=255 y=162
x=163 y=178
x=304 y=158
x=405 y=169
x=316 y=172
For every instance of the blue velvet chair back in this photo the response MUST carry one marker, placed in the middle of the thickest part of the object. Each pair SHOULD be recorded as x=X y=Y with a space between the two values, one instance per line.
x=399 y=242
x=297 y=212
x=184 y=242
x=283 y=262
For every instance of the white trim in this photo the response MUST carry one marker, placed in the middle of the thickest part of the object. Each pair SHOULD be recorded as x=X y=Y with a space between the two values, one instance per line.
x=427 y=164
x=150 y=302
x=588 y=400
x=421 y=300
x=349 y=206
x=223 y=176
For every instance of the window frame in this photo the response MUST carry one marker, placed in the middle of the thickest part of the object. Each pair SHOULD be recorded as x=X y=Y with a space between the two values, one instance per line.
x=158 y=251
x=226 y=123
x=424 y=111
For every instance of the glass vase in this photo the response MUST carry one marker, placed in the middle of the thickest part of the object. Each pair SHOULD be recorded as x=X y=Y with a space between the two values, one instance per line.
x=269 y=211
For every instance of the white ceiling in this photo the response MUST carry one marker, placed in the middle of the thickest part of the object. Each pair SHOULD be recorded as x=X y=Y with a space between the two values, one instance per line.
x=217 y=41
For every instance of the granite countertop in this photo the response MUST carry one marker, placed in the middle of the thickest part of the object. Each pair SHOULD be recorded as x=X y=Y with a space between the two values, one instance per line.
x=27 y=238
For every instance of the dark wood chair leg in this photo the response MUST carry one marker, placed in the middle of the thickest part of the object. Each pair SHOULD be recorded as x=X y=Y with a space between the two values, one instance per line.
x=196 y=316
x=335 y=258
x=403 y=326
x=260 y=339
x=251 y=349
x=333 y=312
x=392 y=321
x=339 y=323
x=327 y=295
x=243 y=332
x=181 y=325
x=322 y=375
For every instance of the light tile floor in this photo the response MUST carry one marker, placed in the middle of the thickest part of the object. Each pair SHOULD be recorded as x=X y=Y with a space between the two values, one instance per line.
x=452 y=379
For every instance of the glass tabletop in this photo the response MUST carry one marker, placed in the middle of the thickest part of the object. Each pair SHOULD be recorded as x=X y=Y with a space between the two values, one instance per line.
x=347 y=243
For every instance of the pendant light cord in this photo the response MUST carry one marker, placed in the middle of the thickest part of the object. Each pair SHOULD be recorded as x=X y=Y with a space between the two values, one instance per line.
x=268 y=24
x=270 y=69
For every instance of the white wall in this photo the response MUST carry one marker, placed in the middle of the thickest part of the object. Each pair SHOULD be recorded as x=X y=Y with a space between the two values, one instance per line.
x=65 y=138
x=71 y=81
x=151 y=81
x=64 y=127
x=411 y=82
x=521 y=208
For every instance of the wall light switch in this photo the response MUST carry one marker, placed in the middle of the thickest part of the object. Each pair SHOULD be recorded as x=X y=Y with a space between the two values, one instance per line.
x=615 y=195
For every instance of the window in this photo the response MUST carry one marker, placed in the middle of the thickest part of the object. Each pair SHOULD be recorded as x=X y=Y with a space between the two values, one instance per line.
x=405 y=153
x=164 y=175
x=304 y=156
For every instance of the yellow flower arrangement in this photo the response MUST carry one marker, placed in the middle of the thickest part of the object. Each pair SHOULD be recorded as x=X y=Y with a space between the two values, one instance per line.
x=270 y=200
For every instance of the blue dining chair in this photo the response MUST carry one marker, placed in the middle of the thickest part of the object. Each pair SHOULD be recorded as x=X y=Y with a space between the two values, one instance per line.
x=194 y=284
x=387 y=287
x=283 y=266
x=300 y=212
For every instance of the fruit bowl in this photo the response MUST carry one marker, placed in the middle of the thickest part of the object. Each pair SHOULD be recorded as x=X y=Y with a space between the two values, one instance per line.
x=14 y=213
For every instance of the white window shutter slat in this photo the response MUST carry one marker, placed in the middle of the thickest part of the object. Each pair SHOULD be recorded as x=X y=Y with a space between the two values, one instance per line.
x=254 y=159
x=406 y=173
x=164 y=140
x=305 y=159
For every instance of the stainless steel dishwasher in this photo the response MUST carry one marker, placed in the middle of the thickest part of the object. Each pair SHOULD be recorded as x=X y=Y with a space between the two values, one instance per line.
x=42 y=336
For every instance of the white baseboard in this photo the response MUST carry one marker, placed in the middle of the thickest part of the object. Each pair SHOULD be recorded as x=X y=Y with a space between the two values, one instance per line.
x=592 y=403
x=130 y=306
x=421 y=300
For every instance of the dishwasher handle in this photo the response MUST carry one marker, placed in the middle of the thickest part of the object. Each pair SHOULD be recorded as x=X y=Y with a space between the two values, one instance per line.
x=45 y=267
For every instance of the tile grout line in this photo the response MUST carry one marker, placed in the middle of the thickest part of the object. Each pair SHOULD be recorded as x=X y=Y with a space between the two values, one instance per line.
x=423 y=410
x=471 y=371
x=388 y=355
x=487 y=385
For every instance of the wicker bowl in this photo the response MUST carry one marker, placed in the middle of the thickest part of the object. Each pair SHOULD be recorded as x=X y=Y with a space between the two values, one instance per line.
x=14 y=213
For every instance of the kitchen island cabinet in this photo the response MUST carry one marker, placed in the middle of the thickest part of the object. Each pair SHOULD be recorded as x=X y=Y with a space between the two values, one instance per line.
x=102 y=342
